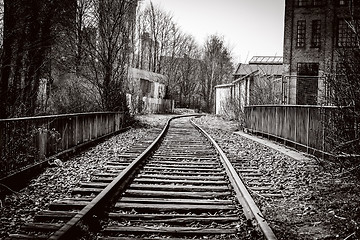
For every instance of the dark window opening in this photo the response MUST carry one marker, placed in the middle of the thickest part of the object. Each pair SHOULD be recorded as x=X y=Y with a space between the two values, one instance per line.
x=301 y=33
x=307 y=83
x=309 y=3
x=348 y=2
x=343 y=2
x=316 y=34
x=145 y=88
x=348 y=35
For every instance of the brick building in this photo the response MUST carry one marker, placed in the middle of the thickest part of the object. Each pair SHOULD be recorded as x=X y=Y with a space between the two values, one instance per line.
x=314 y=30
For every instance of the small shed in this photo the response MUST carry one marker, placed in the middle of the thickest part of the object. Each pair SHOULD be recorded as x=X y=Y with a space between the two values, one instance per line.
x=147 y=92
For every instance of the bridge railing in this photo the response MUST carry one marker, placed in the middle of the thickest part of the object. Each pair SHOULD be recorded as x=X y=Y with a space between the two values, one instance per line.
x=25 y=141
x=308 y=127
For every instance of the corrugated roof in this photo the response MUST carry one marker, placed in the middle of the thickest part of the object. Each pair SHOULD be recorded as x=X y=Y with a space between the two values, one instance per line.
x=264 y=69
x=266 y=60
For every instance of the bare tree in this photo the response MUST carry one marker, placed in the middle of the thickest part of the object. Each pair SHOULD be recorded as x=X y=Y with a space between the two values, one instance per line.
x=100 y=44
x=28 y=36
x=217 y=69
x=163 y=48
x=85 y=44
x=190 y=73
x=342 y=123
x=155 y=39
x=265 y=89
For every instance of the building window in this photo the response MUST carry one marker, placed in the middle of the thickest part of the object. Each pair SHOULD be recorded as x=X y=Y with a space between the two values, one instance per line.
x=307 y=83
x=301 y=33
x=308 y=69
x=308 y=3
x=348 y=2
x=343 y=2
x=316 y=34
x=348 y=35
x=317 y=2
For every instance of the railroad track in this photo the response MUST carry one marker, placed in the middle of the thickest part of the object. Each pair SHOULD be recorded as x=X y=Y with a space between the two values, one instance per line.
x=185 y=189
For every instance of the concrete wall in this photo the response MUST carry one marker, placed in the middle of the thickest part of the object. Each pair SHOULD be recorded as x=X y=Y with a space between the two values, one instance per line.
x=233 y=97
x=222 y=95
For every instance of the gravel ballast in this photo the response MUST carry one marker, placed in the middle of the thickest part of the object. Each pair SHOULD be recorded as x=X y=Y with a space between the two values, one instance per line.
x=320 y=199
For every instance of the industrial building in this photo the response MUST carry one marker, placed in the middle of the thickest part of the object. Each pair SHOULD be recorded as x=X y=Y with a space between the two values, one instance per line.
x=314 y=32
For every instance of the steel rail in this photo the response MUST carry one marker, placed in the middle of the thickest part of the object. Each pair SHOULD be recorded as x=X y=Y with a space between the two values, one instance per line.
x=250 y=208
x=117 y=186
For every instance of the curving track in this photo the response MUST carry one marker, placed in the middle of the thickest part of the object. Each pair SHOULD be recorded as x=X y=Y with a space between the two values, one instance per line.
x=185 y=189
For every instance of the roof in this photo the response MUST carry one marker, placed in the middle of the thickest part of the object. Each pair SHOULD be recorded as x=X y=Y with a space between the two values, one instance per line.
x=150 y=76
x=224 y=85
x=267 y=60
x=264 y=69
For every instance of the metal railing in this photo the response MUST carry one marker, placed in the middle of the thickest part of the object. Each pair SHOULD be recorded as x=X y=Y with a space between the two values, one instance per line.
x=308 y=127
x=25 y=141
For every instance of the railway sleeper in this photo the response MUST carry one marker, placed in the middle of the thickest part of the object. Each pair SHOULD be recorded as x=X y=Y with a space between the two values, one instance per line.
x=17 y=236
x=67 y=205
x=173 y=172
x=168 y=230
x=47 y=216
x=184 y=169
x=178 y=219
x=182 y=157
x=184 y=165
x=177 y=200
x=180 y=181
x=176 y=194
x=41 y=227
x=172 y=187
x=183 y=177
x=183 y=162
x=145 y=238
x=169 y=207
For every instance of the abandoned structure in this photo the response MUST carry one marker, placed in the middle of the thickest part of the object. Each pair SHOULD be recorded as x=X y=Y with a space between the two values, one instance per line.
x=314 y=31
x=147 y=92
x=255 y=83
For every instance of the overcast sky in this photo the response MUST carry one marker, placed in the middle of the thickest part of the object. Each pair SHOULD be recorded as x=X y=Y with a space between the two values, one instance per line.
x=250 y=27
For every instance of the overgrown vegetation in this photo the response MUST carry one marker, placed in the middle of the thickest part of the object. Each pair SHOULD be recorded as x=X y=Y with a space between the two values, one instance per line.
x=20 y=148
x=65 y=56
x=344 y=92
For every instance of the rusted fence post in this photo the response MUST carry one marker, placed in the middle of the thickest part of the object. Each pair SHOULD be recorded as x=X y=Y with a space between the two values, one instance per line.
x=42 y=142
x=307 y=130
